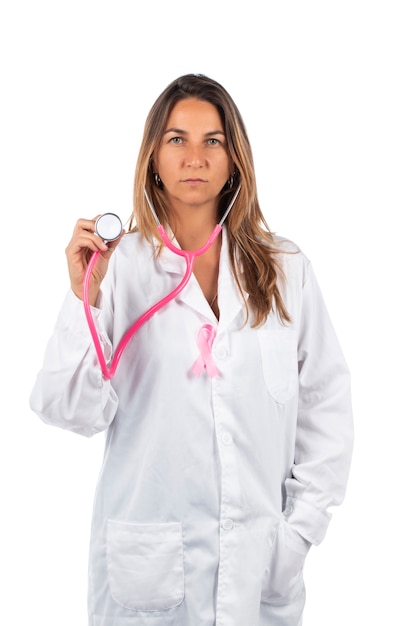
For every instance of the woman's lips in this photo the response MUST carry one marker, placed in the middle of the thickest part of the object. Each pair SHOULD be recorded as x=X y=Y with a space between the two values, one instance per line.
x=194 y=181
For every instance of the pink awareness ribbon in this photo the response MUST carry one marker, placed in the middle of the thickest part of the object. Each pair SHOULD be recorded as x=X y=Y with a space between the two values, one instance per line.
x=205 y=339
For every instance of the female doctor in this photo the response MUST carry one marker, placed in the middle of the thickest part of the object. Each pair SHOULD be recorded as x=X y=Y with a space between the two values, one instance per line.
x=228 y=419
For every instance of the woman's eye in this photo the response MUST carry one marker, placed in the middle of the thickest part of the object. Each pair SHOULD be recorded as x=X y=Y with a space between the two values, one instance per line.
x=213 y=142
x=176 y=140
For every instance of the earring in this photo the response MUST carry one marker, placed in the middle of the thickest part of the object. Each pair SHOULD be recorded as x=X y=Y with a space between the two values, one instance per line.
x=157 y=179
x=231 y=180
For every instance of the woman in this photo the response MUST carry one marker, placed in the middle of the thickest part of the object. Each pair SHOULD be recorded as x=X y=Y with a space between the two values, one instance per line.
x=228 y=419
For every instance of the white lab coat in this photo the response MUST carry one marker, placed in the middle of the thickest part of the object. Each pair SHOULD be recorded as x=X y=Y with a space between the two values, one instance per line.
x=212 y=489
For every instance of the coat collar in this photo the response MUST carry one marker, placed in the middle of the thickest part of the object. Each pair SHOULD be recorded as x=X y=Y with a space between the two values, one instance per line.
x=229 y=298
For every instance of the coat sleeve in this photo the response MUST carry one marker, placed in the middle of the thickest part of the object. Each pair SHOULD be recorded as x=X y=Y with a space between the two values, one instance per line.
x=70 y=391
x=324 y=434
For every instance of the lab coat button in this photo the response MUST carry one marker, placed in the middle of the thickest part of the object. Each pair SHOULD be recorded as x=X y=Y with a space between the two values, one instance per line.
x=227 y=439
x=228 y=524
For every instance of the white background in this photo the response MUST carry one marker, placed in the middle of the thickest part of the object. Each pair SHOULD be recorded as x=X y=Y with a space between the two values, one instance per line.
x=328 y=94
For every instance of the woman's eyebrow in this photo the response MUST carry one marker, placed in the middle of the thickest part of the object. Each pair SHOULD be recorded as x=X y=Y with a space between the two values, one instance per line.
x=214 y=132
x=180 y=131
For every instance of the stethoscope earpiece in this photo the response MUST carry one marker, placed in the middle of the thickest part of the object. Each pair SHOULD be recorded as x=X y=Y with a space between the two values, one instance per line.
x=109 y=226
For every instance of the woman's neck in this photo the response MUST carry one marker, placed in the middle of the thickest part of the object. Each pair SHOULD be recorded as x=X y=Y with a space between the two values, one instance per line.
x=192 y=230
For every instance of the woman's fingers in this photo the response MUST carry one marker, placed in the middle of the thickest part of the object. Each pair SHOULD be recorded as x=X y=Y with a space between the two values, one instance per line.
x=84 y=242
x=84 y=237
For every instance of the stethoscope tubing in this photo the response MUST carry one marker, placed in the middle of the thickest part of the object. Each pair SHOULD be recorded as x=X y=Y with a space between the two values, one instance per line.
x=189 y=256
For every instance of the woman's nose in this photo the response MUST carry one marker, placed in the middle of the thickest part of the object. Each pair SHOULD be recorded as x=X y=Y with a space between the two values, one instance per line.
x=194 y=157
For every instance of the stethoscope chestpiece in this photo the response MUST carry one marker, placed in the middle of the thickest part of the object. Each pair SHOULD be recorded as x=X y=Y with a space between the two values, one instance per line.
x=109 y=226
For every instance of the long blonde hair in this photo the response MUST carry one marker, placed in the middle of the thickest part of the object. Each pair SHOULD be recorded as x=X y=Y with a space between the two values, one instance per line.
x=253 y=254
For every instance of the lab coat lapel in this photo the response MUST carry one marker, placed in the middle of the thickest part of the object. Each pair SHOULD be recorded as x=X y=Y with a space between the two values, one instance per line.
x=229 y=298
x=192 y=294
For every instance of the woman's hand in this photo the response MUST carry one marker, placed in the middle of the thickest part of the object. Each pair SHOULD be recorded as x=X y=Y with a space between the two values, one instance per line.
x=83 y=243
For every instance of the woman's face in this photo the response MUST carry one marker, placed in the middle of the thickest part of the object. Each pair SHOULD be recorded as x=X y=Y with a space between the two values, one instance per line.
x=192 y=160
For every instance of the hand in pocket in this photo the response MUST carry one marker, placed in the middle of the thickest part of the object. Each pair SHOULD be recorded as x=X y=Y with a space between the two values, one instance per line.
x=283 y=579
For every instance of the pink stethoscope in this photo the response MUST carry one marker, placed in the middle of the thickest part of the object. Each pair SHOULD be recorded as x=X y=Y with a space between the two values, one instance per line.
x=109 y=227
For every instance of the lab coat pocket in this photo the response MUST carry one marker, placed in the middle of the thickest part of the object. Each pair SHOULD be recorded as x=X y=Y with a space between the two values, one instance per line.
x=279 y=362
x=145 y=565
x=283 y=578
